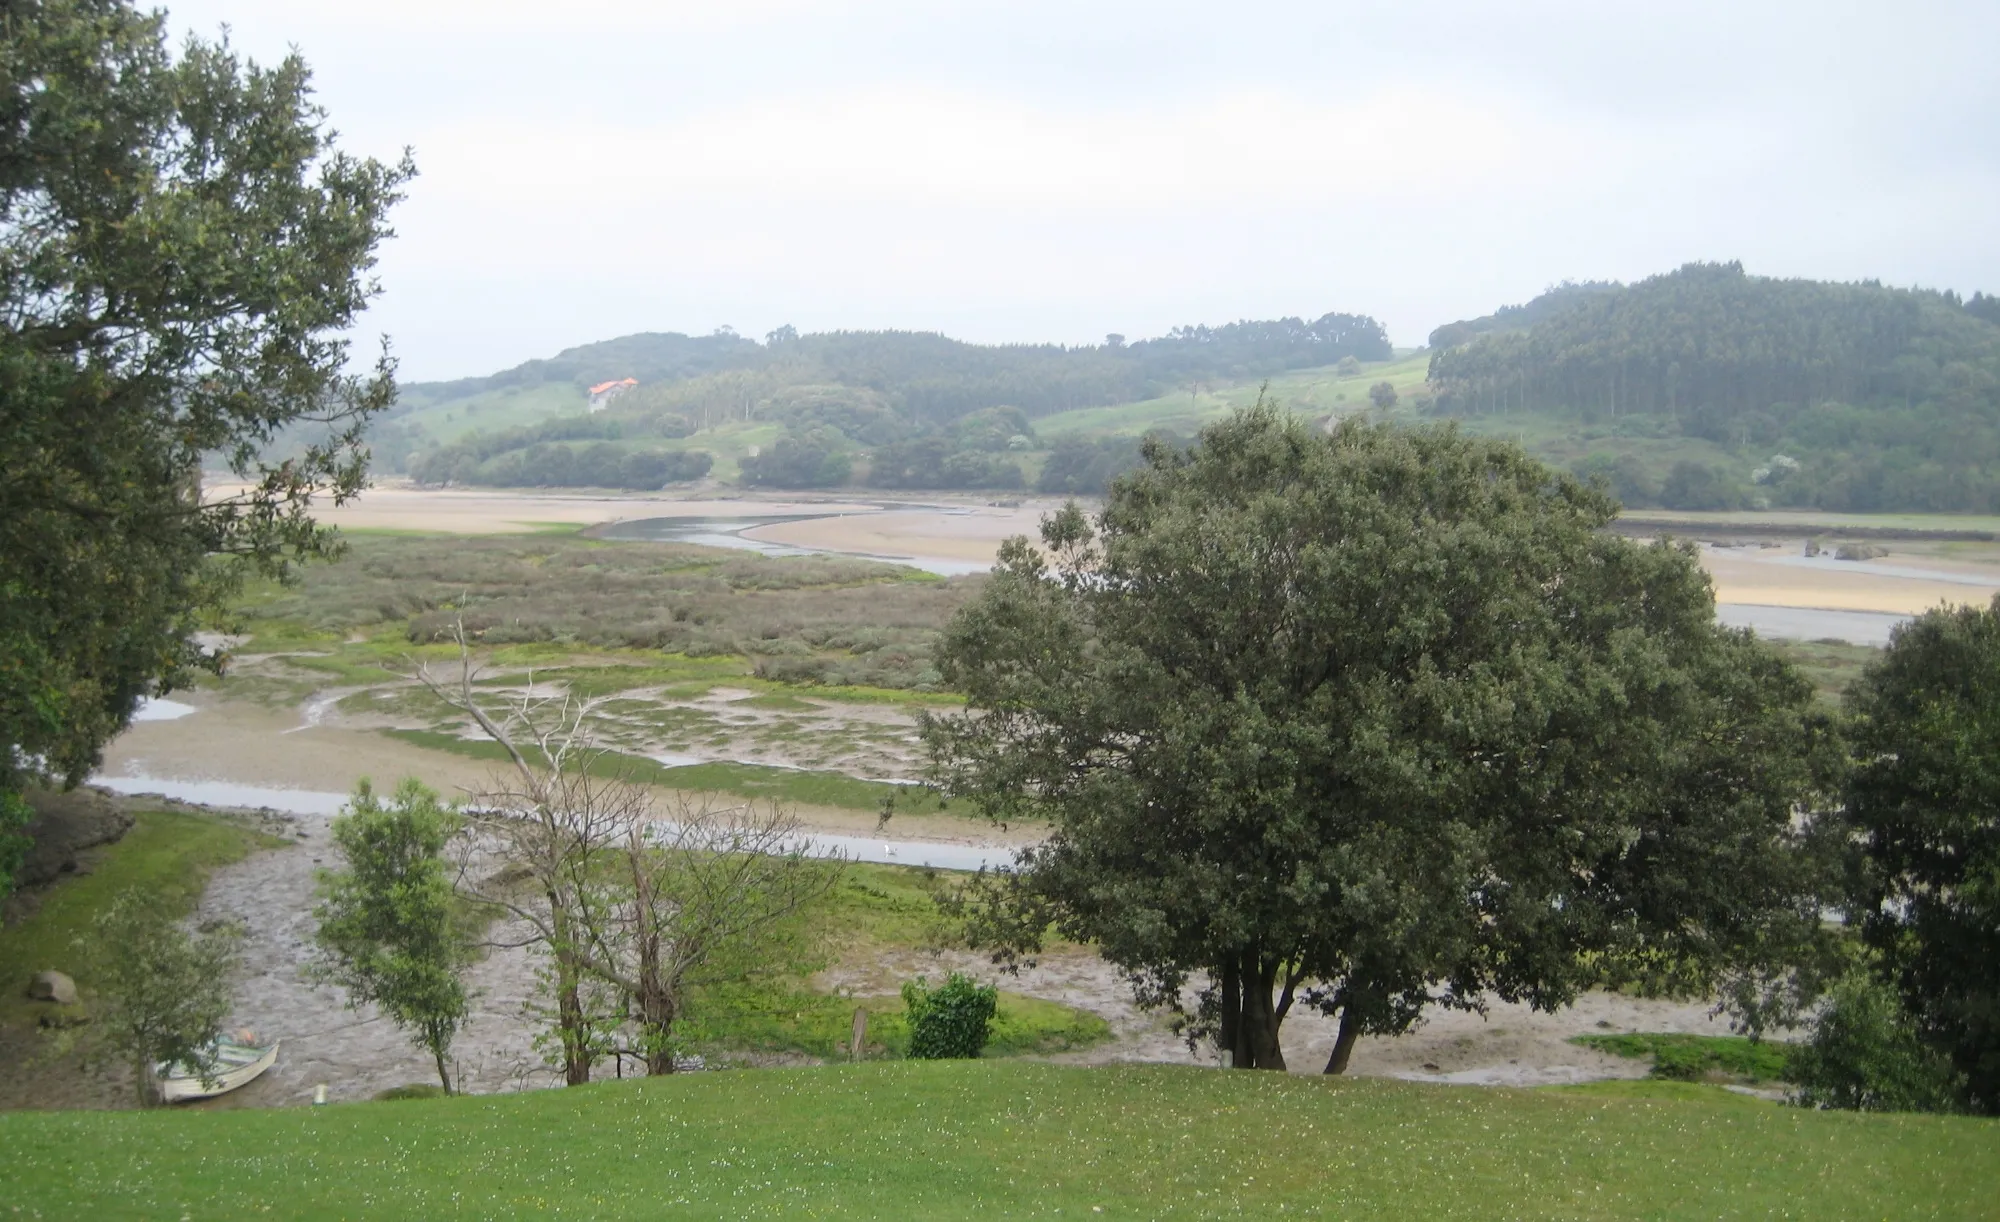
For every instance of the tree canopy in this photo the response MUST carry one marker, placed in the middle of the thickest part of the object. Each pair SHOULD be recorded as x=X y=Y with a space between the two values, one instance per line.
x=182 y=248
x=1371 y=722
x=1924 y=799
x=1887 y=398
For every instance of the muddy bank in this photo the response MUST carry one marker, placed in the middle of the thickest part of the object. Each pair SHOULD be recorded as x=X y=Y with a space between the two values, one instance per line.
x=1511 y=1045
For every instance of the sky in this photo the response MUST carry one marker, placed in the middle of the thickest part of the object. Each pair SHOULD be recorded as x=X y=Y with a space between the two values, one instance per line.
x=1029 y=171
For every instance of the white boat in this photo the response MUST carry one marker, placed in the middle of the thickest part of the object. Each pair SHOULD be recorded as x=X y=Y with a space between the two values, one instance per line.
x=230 y=1065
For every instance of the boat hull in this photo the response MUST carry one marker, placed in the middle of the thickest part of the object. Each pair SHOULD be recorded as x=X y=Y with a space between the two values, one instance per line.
x=237 y=1065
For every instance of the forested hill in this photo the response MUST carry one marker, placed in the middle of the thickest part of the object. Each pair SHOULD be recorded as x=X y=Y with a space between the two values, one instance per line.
x=1874 y=398
x=928 y=377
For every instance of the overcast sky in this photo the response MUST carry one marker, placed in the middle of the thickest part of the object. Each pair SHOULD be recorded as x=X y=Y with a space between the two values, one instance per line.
x=1030 y=170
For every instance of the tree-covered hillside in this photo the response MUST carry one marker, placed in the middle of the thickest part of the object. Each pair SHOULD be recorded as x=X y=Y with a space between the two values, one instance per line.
x=902 y=409
x=1838 y=396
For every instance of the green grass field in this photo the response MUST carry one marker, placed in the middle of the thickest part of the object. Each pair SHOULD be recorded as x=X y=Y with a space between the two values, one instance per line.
x=1308 y=391
x=988 y=1140
x=492 y=411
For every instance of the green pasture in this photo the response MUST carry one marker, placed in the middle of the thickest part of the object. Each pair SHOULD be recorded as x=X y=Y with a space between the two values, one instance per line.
x=491 y=411
x=1308 y=391
x=986 y=1139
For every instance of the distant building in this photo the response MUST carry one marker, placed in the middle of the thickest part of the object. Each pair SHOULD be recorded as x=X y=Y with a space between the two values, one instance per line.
x=605 y=392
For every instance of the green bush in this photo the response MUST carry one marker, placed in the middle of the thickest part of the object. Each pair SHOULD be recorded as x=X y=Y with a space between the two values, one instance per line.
x=952 y=1020
x=1695 y=1058
x=1865 y=1055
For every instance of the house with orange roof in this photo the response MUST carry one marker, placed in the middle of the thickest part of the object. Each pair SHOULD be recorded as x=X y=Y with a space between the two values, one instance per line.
x=605 y=392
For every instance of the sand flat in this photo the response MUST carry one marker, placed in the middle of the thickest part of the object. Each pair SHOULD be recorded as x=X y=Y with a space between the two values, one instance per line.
x=972 y=535
x=485 y=511
x=1755 y=576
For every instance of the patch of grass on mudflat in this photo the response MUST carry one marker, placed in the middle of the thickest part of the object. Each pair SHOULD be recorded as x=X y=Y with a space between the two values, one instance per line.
x=165 y=853
x=800 y=786
x=1691 y=1058
x=821 y=1024
x=984 y=1139
x=1830 y=666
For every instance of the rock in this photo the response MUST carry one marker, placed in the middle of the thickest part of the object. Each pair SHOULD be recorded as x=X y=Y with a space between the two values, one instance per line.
x=53 y=986
x=65 y=824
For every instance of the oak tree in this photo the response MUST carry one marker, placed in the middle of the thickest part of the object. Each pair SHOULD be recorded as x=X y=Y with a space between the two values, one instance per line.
x=182 y=251
x=1372 y=722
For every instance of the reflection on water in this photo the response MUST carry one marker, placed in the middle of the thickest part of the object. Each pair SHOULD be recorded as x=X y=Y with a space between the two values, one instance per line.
x=728 y=532
x=1810 y=623
x=153 y=708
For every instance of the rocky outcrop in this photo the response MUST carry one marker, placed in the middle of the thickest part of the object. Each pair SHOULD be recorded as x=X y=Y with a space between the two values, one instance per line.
x=64 y=825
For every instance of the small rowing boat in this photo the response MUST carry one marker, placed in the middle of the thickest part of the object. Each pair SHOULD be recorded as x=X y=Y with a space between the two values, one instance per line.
x=231 y=1063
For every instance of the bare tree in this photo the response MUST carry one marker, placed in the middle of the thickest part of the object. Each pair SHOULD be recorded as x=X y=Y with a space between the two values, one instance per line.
x=552 y=823
x=700 y=888
x=618 y=893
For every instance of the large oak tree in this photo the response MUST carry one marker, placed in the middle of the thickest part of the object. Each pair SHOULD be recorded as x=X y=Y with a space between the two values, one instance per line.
x=1372 y=722
x=182 y=250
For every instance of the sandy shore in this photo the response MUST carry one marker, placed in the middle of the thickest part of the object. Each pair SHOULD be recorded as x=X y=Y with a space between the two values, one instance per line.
x=465 y=511
x=1766 y=576
x=1760 y=576
x=962 y=534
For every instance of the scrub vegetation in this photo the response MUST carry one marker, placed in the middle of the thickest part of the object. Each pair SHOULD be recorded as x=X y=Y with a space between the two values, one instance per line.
x=712 y=613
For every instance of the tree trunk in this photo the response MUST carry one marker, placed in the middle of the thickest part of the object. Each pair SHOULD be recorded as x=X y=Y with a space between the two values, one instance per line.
x=142 y=1069
x=437 y=1056
x=657 y=1012
x=1250 y=1020
x=1343 y=1044
x=570 y=1024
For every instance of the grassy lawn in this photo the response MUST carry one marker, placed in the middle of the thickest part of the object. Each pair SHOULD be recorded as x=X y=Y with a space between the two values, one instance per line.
x=166 y=853
x=986 y=1139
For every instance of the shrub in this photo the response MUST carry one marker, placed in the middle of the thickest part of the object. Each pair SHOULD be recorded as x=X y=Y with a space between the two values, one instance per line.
x=1864 y=1055
x=952 y=1020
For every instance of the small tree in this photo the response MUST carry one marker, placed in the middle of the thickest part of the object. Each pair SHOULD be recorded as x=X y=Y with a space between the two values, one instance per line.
x=696 y=892
x=163 y=992
x=646 y=902
x=953 y=1020
x=387 y=932
x=1382 y=395
x=1864 y=1055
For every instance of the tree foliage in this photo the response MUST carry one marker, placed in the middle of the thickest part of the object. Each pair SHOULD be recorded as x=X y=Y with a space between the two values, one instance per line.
x=1924 y=797
x=182 y=249
x=1373 y=722
x=1864 y=1054
x=1889 y=398
x=388 y=932
x=162 y=993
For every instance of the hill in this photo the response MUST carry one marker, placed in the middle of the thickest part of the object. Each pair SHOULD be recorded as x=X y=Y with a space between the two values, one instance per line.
x=1708 y=388
x=922 y=410
x=986 y=1139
